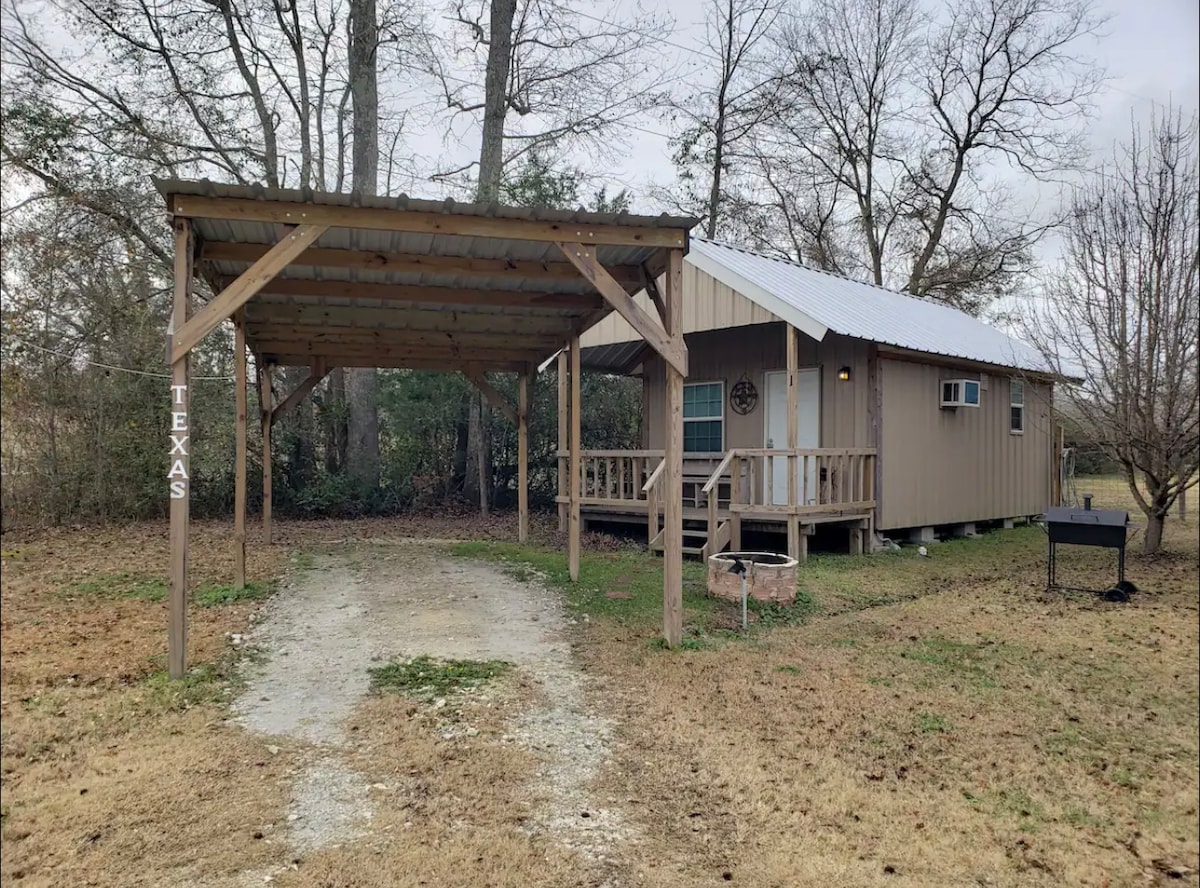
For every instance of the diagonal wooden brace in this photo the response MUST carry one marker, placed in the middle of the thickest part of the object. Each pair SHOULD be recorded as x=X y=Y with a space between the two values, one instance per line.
x=493 y=397
x=316 y=373
x=673 y=351
x=249 y=282
x=651 y=286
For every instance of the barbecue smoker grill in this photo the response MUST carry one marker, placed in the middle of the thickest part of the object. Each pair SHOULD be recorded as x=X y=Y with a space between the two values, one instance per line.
x=1107 y=528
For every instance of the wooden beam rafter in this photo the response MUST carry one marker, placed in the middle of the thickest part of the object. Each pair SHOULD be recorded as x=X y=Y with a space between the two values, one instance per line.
x=397 y=338
x=332 y=351
x=346 y=317
x=493 y=396
x=672 y=349
x=449 y=364
x=416 y=263
x=388 y=219
x=577 y=302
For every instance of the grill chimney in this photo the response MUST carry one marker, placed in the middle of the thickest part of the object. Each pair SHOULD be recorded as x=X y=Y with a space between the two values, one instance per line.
x=1087 y=502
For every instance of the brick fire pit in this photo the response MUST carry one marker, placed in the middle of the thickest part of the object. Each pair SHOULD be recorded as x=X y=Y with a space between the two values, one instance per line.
x=769 y=577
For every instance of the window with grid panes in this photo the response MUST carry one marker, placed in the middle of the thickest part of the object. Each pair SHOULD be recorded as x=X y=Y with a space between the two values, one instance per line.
x=704 y=417
x=1016 y=400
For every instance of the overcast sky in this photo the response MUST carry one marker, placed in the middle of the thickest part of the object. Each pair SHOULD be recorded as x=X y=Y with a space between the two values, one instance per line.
x=1150 y=49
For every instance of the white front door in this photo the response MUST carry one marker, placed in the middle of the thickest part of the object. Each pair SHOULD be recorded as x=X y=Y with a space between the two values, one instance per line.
x=809 y=382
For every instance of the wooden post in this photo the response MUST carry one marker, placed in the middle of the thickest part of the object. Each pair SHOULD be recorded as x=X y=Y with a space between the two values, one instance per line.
x=793 y=437
x=180 y=473
x=573 y=472
x=523 y=458
x=562 y=438
x=673 y=473
x=239 y=483
x=875 y=410
x=268 y=405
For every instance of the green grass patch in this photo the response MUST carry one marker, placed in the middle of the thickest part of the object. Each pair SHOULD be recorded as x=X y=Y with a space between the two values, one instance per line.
x=624 y=585
x=1015 y=802
x=154 y=589
x=975 y=663
x=769 y=613
x=204 y=683
x=932 y=723
x=215 y=595
x=426 y=677
x=1077 y=815
x=120 y=585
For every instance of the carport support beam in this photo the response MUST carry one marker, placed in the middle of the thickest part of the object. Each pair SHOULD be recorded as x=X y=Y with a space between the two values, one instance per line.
x=178 y=477
x=573 y=467
x=673 y=455
x=793 y=438
x=562 y=440
x=239 y=483
x=523 y=458
x=268 y=406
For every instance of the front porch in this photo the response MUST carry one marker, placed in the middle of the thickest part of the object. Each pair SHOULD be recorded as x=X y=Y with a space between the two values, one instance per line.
x=725 y=494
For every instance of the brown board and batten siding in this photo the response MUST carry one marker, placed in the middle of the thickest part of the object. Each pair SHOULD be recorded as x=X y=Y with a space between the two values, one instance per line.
x=726 y=355
x=963 y=465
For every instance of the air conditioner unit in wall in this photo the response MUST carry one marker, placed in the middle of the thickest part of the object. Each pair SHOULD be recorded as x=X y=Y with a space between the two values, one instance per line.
x=959 y=393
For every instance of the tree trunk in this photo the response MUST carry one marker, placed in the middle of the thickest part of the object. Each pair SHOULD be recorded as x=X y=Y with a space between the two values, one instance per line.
x=495 y=107
x=334 y=423
x=362 y=401
x=472 y=473
x=362 y=385
x=1152 y=541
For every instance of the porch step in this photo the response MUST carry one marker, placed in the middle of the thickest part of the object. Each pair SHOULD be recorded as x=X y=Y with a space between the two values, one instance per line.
x=694 y=541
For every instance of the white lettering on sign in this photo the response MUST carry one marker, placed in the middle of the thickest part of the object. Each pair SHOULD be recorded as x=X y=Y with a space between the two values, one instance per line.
x=178 y=476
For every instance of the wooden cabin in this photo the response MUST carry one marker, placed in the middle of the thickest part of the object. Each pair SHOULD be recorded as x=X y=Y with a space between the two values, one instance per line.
x=912 y=419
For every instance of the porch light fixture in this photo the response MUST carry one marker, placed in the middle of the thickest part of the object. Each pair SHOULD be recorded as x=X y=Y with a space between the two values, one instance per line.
x=844 y=374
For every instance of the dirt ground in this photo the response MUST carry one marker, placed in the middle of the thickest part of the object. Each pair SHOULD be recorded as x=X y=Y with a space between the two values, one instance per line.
x=921 y=721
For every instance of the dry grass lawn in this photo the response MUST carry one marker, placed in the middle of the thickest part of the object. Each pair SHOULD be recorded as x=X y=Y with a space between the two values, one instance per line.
x=913 y=722
x=935 y=721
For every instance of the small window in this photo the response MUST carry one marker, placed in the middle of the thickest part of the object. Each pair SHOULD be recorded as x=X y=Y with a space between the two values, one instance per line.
x=704 y=417
x=1016 y=400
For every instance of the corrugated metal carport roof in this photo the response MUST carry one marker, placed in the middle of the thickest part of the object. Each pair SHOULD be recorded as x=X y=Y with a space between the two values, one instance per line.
x=486 y=298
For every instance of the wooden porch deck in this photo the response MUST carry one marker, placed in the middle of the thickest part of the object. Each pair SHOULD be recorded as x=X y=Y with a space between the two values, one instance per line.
x=725 y=494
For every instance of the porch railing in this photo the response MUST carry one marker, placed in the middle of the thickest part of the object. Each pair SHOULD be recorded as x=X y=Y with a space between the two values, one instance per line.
x=799 y=482
x=757 y=481
x=612 y=476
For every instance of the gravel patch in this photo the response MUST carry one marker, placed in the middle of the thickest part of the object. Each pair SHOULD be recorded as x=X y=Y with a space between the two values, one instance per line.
x=375 y=602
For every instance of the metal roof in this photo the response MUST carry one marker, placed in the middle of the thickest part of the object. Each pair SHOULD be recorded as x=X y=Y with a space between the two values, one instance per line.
x=816 y=301
x=366 y=290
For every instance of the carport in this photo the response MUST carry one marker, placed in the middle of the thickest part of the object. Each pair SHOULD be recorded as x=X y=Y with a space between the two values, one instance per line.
x=323 y=281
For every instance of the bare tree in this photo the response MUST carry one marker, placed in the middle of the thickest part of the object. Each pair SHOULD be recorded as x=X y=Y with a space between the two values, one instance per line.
x=901 y=126
x=540 y=75
x=550 y=75
x=716 y=120
x=1123 y=311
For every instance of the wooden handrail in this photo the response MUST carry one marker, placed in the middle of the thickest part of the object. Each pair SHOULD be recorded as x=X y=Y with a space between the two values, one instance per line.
x=720 y=470
x=611 y=454
x=808 y=451
x=654 y=476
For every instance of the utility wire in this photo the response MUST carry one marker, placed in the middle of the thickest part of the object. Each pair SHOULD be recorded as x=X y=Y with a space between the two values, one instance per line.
x=70 y=357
